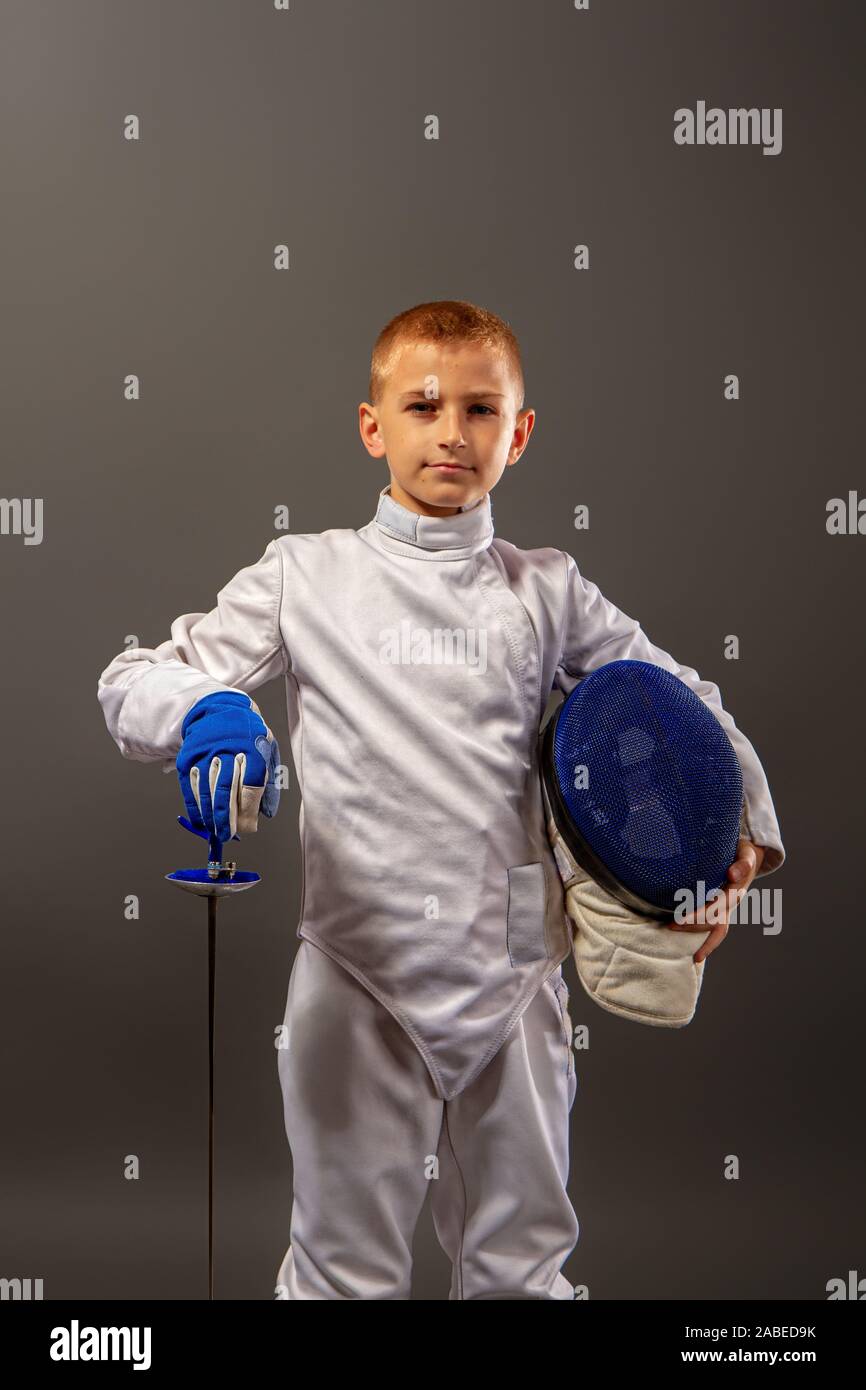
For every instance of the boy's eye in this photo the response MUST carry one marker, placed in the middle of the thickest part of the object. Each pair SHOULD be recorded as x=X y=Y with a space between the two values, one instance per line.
x=425 y=405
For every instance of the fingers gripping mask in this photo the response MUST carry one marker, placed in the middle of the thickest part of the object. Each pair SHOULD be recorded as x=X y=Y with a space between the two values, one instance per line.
x=642 y=795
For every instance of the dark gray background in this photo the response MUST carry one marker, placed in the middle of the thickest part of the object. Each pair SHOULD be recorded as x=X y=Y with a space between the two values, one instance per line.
x=707 y=518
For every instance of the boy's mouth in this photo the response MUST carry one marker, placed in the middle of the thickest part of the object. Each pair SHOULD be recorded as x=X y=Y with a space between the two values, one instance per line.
x=449 y=467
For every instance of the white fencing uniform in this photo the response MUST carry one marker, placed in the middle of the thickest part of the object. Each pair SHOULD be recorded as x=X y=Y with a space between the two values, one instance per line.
x=419 y=654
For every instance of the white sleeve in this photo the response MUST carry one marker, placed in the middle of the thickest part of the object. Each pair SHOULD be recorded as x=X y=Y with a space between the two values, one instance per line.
x=146 y=691
x=596 y=632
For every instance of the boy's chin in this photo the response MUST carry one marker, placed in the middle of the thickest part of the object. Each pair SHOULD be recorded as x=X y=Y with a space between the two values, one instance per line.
x=462 y=483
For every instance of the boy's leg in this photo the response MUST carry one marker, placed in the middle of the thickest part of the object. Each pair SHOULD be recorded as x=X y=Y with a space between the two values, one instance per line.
x=361 y=1117
x=500 y=1205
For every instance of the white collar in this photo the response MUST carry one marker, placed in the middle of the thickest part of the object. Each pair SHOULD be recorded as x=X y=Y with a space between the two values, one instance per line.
x=434 y=537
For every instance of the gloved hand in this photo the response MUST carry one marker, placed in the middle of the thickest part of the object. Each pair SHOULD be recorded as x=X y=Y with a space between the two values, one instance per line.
x=227 y=765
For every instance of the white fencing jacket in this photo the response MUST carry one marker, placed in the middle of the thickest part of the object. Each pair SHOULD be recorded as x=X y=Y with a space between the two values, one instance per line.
x=418 y=654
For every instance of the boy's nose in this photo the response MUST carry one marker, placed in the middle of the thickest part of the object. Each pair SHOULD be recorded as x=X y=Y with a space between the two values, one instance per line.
x=451 y=434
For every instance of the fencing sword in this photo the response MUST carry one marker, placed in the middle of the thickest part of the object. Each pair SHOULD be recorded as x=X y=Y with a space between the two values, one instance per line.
x=217 y=880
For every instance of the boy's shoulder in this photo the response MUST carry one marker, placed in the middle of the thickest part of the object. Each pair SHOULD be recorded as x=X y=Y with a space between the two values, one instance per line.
x=545 y=558
x=334 y=537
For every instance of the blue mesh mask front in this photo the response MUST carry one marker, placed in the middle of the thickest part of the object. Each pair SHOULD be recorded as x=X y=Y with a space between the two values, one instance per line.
x=644 y=785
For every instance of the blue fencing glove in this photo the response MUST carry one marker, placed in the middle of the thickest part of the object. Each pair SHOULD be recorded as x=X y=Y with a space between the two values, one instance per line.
x=227 y=765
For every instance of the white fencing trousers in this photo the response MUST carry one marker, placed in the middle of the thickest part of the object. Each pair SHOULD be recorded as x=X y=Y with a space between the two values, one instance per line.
x=369 y=1137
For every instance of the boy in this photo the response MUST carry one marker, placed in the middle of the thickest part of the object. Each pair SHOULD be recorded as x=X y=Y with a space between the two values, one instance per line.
x=426 y=1020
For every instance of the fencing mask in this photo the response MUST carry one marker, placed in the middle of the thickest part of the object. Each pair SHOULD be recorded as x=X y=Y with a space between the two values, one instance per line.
x=643 y=795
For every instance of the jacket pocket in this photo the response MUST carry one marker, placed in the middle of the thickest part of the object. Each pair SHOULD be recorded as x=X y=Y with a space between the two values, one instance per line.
x=527 y=894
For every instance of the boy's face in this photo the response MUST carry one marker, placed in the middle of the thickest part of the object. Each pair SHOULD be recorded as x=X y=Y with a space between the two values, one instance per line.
x=445 y=404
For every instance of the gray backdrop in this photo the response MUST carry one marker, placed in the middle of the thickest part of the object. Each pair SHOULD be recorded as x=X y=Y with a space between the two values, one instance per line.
x=708 y=518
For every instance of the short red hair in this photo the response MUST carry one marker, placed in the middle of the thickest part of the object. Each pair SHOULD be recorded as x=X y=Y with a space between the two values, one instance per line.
x=444 y=321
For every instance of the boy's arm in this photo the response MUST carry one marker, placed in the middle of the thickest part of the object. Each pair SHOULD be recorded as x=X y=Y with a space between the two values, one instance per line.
x=146 y=691
x=595 y=632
